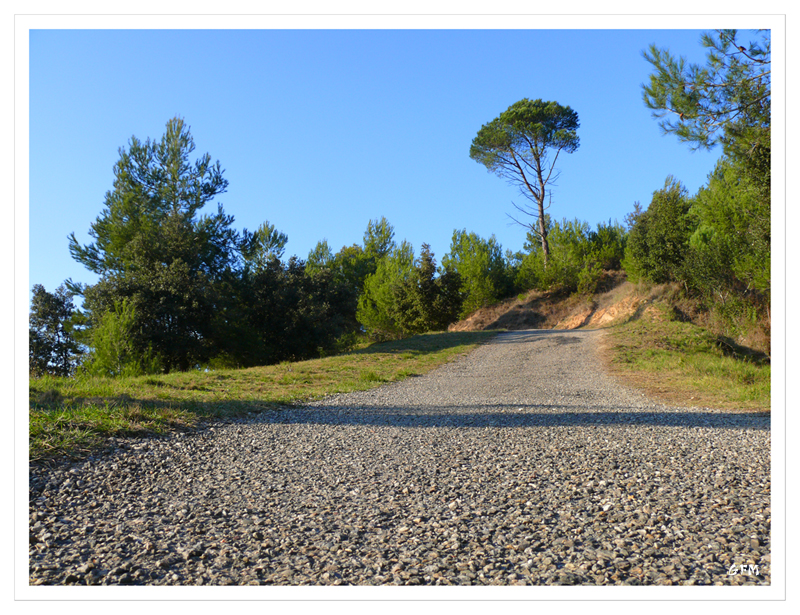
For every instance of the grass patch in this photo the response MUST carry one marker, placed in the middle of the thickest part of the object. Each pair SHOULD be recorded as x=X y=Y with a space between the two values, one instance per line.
x=684 y=364
x=74 y=417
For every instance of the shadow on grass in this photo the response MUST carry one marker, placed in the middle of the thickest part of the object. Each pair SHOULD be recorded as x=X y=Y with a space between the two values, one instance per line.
x=741 y=353
x=472 y=416
x=428 y=343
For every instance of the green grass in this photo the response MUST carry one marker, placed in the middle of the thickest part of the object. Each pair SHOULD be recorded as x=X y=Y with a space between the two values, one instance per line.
x=74 y=417
x=687 y=365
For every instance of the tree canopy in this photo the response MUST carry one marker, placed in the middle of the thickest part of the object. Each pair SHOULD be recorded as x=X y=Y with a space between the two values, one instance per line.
x=154 y=248
x=517 y=146
x=726 y=101
x=480 y=267
x=151 y=215
x=52 y=348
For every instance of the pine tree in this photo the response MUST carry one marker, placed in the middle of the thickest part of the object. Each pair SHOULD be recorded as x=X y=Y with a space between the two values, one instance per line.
x=153 y=247
x=53 y=348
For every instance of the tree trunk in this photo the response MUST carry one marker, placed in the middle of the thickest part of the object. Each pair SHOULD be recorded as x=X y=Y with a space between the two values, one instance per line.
x=543 y=234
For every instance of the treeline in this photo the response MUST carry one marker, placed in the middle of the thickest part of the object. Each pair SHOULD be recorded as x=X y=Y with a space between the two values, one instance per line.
x=179 y=289
x=715 y=244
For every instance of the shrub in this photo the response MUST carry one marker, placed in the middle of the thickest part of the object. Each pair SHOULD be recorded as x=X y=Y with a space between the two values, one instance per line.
x=659 y=240
x=481 y=269
x=113 y=353
x=578 y=257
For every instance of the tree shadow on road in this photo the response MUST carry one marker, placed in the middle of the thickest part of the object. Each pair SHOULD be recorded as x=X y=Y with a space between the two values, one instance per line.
x=512 y=416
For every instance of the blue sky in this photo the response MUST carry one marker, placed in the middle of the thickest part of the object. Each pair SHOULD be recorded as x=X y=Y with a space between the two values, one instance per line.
x=320 y=131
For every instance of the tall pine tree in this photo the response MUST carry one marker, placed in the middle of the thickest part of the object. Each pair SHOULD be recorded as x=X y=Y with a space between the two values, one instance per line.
x=153 y=247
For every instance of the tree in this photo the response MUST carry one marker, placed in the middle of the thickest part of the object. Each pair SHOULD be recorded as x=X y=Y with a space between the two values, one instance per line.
x=287 y=313
x=378 y=239
x=154 y=248
x=481 y=269
x=658 y=243
x=726 y=101
x=517 y=145
x=406 y=297
x=731 y=244
x=113 y=352
x=426 y=301
x=52 y=345
x=263 y=245
x=320 y=257
x=352 y=265
x=377 y=304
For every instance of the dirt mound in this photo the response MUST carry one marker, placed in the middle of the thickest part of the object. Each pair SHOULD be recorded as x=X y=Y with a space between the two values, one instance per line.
x=558 y=310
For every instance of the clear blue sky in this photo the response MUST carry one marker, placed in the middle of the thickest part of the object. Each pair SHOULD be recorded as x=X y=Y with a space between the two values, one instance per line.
x=320 y=131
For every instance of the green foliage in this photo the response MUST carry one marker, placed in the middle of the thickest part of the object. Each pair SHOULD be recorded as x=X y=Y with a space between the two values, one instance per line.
x=320 y=257
x=263 y=245
x=352 y=265
x=53 y=348
x=378 y=240
x=153 y=248
x=151 y=215
x=659 y=240
x=578 y=256
x=113 y=351
x=405 y=296
x=281 y=312
x=516 y=147
x=608 y=245
x=378 y=310
x=589 y=278
x=481 y=268
x=425 y=301
x=731 y=246
x=726 y=101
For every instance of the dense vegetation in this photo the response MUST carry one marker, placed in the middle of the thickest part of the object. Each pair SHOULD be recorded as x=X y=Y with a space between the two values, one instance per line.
x=181 y=289
x=715 y=244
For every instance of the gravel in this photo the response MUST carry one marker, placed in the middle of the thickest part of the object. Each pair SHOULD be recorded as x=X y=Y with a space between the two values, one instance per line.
x=519 y=464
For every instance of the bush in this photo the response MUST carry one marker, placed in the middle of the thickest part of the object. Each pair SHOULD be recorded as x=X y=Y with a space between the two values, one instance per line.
x=578 y=257
x=284 y=313
x=426 y=302
x=405 y=297
x=732 y=242
x=113 y=353
x=481 y=269
x=658 y=243
x=378 y=305
x=589 y=278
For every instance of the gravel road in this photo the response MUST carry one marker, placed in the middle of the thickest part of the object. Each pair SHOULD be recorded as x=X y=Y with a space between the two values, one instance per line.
x=519 y=464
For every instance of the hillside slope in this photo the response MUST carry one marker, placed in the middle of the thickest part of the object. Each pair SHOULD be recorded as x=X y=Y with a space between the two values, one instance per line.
x=617 y=302
x=657 y=342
